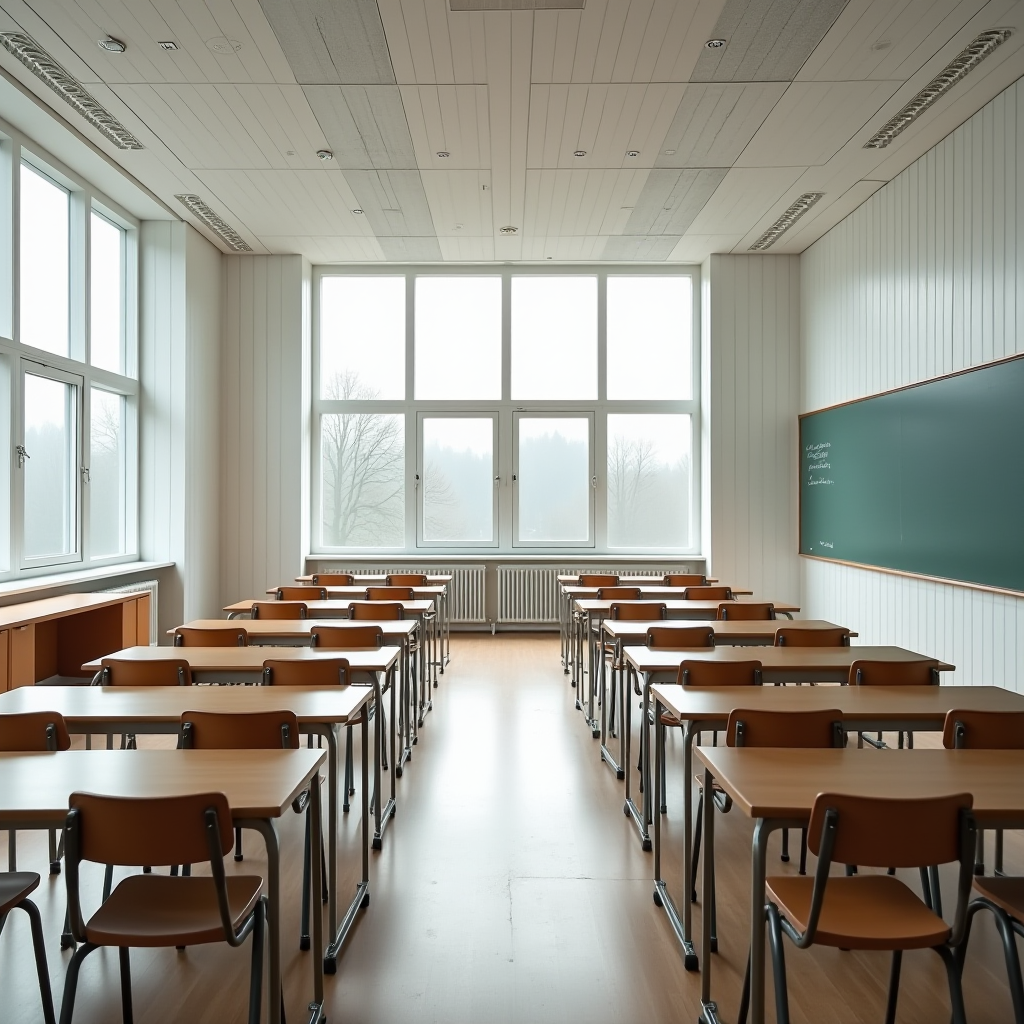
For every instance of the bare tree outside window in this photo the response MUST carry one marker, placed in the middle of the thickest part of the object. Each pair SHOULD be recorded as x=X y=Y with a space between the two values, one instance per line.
x=106 y=492
x=363 y=471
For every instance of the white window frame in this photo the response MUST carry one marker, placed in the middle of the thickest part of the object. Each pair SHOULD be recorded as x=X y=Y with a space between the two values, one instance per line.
x=505 y=409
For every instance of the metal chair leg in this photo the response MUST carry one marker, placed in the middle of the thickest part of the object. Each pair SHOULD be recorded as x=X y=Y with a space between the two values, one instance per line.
x=894 y=986
x=741 y=1013
x=304 y=916
x=54 y=854
x=126 y=984
x=348 y=788
x=803 y=851
x=256 y=973
x=778 y=964
x=238 y=844
x=108 y=881
x=695 y=858
x=67 y=1006
x=999 y=852
x=956 y=992
x=1004 y=924
x=785 y=846
x=39 y=951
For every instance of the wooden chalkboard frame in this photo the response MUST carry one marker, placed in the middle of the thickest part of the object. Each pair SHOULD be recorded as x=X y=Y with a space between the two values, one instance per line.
x=871 y=567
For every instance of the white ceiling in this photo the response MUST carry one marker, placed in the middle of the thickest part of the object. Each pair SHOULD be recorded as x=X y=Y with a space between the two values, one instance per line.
x=727 y=139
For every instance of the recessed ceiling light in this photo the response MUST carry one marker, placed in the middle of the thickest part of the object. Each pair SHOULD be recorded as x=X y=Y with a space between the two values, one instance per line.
x=508 y=229
x=580 y=152
x=324 y=155
x=221 y=44
x=167 y=44
x=715 y=44
x=547 y=257
x=632 y=153
x=358 y=212
x=787 y=220
x=111 y=44
x=670 y=152
x=220 y=227
x=443 y=154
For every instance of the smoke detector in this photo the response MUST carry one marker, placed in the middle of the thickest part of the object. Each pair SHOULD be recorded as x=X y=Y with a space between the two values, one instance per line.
x=508 y=229
x=324 y=155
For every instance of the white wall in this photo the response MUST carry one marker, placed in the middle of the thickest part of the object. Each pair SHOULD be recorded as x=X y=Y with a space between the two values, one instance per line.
x=751 y=352
x=264 y=421
x=927 y=277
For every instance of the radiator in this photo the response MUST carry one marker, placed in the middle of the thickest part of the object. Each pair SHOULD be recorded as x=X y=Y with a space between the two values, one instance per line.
x=466 y=591
x=150 y=587
x=530 y=593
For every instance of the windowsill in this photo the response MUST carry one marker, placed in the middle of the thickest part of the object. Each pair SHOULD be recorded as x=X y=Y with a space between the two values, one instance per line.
x=491 y=555
x=38 y=586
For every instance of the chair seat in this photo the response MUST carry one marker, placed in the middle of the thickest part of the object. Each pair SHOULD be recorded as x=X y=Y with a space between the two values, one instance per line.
x=860 y=912
x=164 y=910
x=14 y=887
x=1005 y=892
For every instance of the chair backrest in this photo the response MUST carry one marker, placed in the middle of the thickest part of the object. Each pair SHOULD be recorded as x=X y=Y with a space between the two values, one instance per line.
x=248 y=730
x=924 y=672
x=389 y=594
x=221 y=636
x=880 y=832
x=598 y=579
x=983 y=730
x=319 y=672
x=620 y=593
x=346 y=637
x=756 y=728
x=719 y=673
x=707 y=594
x=681 y=638
x=684 y=579
x=795 y=636
x=381 y=610
x=406 y=579
x=309 y=593
x=29 y=731
x=279 y=610
x=747 y=611
x=638 y=611
x=332 y=579
x=160 y=672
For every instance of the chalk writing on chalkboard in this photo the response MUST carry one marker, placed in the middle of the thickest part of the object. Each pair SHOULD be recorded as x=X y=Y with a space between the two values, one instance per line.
x=817 y=457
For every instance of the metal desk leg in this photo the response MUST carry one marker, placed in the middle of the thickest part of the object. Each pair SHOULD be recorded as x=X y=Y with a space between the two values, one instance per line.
x=709 y=1009
x=645 y=751
x=630 y=808
x=606 y=754
x=266 y=828
x=403 y=712
x=385 y=814
x=759 y=870
x=316 y=1008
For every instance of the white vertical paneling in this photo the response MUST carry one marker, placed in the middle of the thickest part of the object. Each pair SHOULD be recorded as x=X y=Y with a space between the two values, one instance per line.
x=925 y=278
x=752 y=340
x=265 y=421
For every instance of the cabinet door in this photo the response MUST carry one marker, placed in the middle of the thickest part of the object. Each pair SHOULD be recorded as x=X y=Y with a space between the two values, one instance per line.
x=4 y=655
x=128 y=624
x=23 y=656
x=142 y=637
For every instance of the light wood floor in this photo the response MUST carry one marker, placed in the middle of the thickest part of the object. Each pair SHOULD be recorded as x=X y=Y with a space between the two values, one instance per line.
x=511 y=888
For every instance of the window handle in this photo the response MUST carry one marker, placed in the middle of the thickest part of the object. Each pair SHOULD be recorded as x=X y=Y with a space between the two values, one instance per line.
x=85 y=474
x=22 y=456
x=497 y=481
x=593 y=482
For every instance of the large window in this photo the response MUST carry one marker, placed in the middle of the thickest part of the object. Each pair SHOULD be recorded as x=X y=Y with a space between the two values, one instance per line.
x=68 y=387
x=513 y=409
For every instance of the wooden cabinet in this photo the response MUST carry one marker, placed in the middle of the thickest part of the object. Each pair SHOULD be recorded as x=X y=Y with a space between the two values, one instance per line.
x=142 y=611
x=5 y=653
x=23 y=655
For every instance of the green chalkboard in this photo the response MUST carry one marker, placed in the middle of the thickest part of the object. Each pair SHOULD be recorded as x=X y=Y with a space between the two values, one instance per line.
x=927 y=480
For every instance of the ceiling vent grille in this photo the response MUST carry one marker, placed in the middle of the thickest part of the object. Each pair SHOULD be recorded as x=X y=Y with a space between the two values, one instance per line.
x=960 y=66
x=25 y=49
x=220 y=227
x=786 y=221
x=516 y=5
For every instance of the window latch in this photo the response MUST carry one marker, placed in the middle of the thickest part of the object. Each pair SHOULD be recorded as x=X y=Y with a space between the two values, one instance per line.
x=22 y=456
x=497 y=481
x=85 y=474
x=593 y=482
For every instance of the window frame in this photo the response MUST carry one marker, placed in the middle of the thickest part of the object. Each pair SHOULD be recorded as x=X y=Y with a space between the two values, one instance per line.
x=17 y=149
x=505 y=409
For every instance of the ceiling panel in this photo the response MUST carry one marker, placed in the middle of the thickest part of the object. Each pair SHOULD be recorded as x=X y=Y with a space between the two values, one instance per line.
x=414 y=249
x=672 y=198
x=365 y=125
x=580 y=202
x=813 y=121
x=766 y=40
x=697 y=248
x=450 y=119
x=460 y=202
x=626 y=248
x=393 y=202
x=430 y=45
x=824 y=216
x=742 y=198
x=327 y=248
x=466 y=248
x=714 y=123
x=560 y=248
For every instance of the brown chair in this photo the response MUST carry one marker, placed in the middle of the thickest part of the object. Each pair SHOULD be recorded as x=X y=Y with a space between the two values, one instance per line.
x=306 y=593
x=279 y=610
x=923 y=672
x=719 y=673
x=389 y=594
x=873 y=911
x=684 y=579
x=598 y=579
x=160 y=910
x=376 y=610
x=637 y=611
x=15 y=887
x=1003 y=895
x=159 y=672
x=618 y=593
x=707 y=594
x=332 y=579
x=346 y=637
x=221 y=636
x=406 y=579
x=680 y=638
x=24 y=733
x=809 y=730
x=797 y=636
x=748 y=611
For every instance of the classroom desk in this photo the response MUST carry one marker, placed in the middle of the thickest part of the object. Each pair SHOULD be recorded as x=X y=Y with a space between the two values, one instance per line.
x=158 y=710
x=54 y=635
x=295 y=633
x=776 y=788
x=862 y=708
x=259 y=785
x=620 y=633
x=231 y=664
x=779 y=665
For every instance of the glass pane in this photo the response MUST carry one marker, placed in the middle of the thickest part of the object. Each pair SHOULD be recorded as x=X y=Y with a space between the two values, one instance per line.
x=6 y=449
x=458 y=338
x=44 y=262
x=50 y=470
x=554 y=338
x=362 y=460
x=362 y=337
x=458 y=479
x=649 y=480
x=105 y=282
x=554 y=479
x=106 y=474
x=650 y=328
